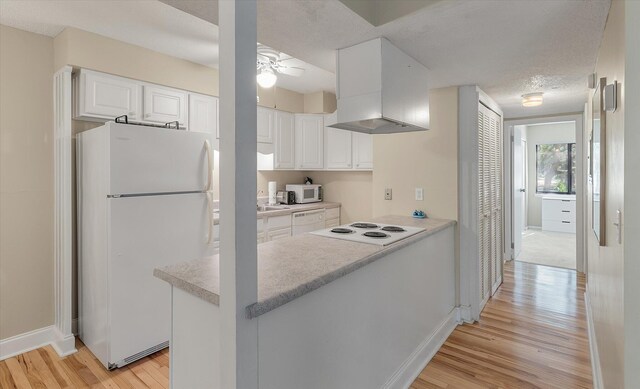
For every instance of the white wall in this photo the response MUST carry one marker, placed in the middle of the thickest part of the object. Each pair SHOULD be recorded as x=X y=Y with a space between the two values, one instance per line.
x=541 y=134
x=606 y=279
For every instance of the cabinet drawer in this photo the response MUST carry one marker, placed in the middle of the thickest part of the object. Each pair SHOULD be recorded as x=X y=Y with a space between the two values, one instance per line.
x=558 y=209
x=332 y=213
x=330 y=223
x=279 y=222
x=559 y=226
x=280 y=233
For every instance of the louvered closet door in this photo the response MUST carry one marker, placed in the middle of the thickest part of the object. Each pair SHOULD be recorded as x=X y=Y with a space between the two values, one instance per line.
x=498 y=245
x=484 y=220
x=490 y=229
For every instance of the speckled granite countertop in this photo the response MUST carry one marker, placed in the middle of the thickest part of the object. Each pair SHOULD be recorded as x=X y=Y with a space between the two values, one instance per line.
x=291 y=267
x=292 y=208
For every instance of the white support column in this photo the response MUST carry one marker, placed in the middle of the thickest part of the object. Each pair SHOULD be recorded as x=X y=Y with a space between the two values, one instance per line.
x=64 y=342
x=238 y=232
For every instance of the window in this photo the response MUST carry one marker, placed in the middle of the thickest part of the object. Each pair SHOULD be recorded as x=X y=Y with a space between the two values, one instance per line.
x=556 y=168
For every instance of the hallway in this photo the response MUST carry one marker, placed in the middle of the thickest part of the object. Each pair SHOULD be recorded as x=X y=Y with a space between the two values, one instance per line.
x=531 y=334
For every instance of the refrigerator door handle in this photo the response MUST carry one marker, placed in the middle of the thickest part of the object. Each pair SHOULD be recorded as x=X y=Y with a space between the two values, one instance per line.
x=209 y=190
x=207 y=147
x=210 y=237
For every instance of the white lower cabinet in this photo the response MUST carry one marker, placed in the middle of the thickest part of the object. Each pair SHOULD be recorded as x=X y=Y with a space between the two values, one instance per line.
x=559 y=214
x=164 y=105
x=332 y=217
x=279 y=233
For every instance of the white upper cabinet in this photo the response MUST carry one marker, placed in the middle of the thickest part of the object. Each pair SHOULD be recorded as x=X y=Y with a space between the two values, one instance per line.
x=362 y=151
x=337 y=148
x=163 y=105
x=284 y=157
x=309 y=141
x=265 y=122
x=203 y=114
x=102 y=96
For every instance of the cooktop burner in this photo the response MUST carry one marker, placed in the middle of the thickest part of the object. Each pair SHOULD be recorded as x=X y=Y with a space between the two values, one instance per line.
x=375 y=234
x=364 y=225
x=342 y=230
x=393 y=229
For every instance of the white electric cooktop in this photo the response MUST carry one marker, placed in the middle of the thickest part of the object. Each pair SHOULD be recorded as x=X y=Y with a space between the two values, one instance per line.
x=371 y=233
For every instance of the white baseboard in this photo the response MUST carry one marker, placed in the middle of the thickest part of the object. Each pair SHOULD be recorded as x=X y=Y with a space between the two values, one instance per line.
x=32 y=340
x=411 y=368
x=464 y=314
x=593 y=346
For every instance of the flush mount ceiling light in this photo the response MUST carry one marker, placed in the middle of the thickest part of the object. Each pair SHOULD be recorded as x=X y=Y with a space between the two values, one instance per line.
x=266 y=78
x=532 y=99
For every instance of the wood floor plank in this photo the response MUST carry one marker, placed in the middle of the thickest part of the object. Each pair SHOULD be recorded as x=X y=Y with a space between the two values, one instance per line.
x=532 y=334
x=18 y=375
x=6 y=380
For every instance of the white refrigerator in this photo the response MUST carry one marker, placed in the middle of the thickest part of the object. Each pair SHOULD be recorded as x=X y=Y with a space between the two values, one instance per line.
x=144 y=201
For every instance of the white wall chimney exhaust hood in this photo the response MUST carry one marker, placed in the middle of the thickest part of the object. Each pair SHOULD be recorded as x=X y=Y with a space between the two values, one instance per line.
x=380 y=89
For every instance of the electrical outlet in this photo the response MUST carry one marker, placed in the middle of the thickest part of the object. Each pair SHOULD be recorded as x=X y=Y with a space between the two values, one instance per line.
x=419 y=194
x=387 y=194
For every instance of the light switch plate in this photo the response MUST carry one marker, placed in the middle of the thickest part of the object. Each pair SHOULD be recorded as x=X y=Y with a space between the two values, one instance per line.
x=387 y=194
x=419 y=194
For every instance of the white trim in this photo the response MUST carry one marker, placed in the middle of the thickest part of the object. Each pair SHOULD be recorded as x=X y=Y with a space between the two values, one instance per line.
x=28 y=341
x=413 y=366
x=581 y=204
x=593 y=345
x=464 y=314
x=63 y=339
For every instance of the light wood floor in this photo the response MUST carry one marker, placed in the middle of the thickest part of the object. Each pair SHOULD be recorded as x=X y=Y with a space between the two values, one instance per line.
x=532 y=334
x=43 y=368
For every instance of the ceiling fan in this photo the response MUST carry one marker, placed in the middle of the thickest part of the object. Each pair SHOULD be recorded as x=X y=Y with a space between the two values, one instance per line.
x=270 y=62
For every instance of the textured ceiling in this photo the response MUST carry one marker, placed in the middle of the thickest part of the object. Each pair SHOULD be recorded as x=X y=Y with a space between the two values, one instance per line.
x=508 y=48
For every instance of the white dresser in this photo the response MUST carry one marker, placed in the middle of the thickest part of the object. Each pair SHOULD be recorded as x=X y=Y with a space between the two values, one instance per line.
x=559 y=213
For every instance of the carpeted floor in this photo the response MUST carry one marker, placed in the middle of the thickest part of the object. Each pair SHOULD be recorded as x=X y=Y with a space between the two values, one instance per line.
x=549 y=248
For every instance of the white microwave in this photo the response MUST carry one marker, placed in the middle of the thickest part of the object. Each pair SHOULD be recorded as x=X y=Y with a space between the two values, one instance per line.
x=306 y=193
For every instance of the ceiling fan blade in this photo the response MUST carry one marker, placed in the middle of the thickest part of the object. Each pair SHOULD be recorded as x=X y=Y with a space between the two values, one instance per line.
x=292 y=71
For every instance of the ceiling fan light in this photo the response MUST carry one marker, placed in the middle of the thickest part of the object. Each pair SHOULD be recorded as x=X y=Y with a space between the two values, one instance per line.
x=266 y=78
x=532 y=99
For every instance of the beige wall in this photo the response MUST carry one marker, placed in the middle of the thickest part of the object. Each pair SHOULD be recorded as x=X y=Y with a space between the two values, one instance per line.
x=26 y=182
x=536 y=135
x=320 y=102
x=425 y=159
x=351 y=189
x=606 y=264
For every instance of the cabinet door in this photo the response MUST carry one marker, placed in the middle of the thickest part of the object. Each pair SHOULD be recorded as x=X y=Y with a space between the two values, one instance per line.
x=104 y=96
x=163 y=105
x=362 y=151
x=266 y=122
x=337 y=148
x=284 y=149
x=203 y=114
x=309 y=142
x=278 y=234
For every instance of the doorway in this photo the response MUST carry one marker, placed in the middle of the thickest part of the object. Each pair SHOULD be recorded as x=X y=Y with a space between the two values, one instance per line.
x=547 y=183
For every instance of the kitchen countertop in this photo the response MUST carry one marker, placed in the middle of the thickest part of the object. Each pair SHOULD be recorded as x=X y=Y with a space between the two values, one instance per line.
x=291 y=267
x=292 y=208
